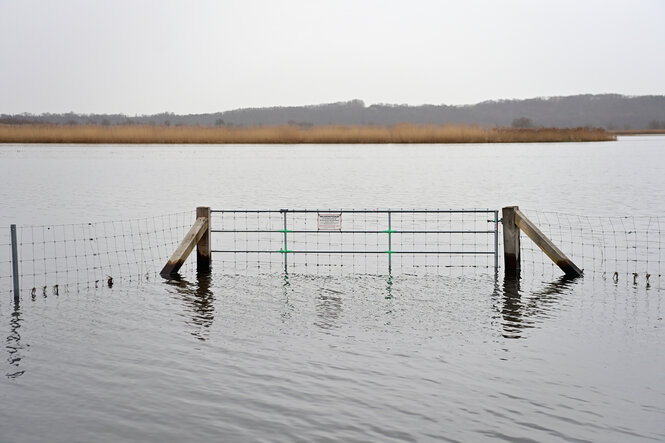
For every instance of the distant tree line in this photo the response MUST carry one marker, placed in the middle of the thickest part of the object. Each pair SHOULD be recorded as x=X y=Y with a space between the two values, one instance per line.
x=609 y=111
x=655 y=124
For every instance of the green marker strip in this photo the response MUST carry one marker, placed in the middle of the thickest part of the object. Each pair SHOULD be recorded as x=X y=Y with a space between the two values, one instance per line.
x=389 y=232
x=284 y=251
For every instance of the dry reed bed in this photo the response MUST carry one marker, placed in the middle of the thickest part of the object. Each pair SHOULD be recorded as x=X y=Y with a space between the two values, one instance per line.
x=291 y=134
x=637 y=131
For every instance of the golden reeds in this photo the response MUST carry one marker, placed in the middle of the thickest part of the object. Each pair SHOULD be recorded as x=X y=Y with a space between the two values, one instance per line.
x=292 y=134
x=637 y=131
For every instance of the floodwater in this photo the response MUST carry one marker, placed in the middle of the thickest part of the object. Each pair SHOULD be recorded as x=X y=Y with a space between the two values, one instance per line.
x=462 y=356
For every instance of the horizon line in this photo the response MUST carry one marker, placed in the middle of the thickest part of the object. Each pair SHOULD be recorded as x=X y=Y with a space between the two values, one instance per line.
x=499 y=100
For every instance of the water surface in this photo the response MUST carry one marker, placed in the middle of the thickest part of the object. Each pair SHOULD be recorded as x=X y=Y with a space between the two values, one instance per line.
x=461 y=356
x=73 y=183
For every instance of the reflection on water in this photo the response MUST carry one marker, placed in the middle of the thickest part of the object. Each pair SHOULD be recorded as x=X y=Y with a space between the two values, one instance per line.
x=328 y=308
x=520 y=309
x=288 y=304
x=389 y=288
x=525 y=309
x=13 y=344
x=405 y=355
x=199 y=303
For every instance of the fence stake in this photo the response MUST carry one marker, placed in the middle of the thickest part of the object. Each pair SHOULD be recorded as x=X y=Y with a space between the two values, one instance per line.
x=286 y=250
x=390 y=245
x=15 y=263
x=496 y=240
x=511 y=241
x=200 y=228
x=203 y=255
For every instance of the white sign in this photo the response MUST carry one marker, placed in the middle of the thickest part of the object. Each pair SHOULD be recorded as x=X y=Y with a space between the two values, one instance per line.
x=330 y=222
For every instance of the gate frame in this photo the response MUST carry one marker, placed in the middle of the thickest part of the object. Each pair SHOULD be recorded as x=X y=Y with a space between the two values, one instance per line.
x=285 y=251
x=513 y=221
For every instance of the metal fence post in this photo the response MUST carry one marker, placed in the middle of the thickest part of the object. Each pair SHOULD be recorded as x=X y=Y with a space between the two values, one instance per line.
x=15 y=263
x=286 y=250
x=390 y=244
x=496 y=241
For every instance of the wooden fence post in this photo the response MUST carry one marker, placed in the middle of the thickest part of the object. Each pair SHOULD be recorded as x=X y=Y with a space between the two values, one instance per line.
x=511 y=241
x=203 y=255
x=195 y=237
x=514 y=222
x=545 y=244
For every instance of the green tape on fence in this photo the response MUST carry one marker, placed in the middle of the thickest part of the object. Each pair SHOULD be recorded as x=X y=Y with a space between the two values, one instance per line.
x=284 y=230
x=389 y=231
x=284 y=251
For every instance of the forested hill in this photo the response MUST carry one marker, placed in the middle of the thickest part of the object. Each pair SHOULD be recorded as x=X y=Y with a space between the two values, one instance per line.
x=610 y=111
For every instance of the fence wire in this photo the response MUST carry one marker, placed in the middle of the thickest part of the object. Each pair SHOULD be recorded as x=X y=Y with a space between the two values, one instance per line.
x=5 y=259
x=53 y=258
x=628 y=248
x=374 y=242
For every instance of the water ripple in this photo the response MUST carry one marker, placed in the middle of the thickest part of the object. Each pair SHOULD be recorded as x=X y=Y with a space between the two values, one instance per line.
x=250 y=358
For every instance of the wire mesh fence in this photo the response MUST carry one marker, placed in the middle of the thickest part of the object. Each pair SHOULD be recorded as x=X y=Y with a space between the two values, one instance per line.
x=5 y=260
x=53 y=258
x=378 y=242
x=628 y=248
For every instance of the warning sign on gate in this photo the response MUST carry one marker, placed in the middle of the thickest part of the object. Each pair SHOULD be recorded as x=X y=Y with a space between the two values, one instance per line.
x=330 y=221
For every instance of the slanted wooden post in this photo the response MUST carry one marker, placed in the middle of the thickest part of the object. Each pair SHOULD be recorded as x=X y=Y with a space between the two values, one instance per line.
x=514 y=221
x=511 y=241
x=203 y=256
x=544 y=243
x=196 y=234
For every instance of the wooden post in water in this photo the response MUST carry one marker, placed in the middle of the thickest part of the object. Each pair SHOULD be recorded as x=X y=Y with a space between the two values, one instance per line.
x=544 y=243
x=198 y=231
x=514 y=221
x=203 y=255
x=511 y=241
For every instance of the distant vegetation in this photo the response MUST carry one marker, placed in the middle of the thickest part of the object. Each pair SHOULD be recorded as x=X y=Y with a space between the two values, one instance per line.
x=638 y=132
x=609 y=111
x=291 y=134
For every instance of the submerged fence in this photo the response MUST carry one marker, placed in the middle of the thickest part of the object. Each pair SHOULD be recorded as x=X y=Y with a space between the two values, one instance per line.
x=53 y=258
x=382 y=241
x=628 y=248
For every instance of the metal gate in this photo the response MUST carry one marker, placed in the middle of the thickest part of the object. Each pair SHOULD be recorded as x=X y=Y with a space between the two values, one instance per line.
x=361 y=240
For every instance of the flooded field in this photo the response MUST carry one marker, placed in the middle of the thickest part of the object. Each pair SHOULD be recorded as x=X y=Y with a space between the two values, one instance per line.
x=463 y=354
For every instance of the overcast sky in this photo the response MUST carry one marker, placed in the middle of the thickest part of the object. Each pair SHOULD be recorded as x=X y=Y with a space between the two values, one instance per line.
x=150 y=56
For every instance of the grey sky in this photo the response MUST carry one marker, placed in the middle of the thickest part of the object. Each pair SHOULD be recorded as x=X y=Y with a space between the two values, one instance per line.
x=149 y=56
